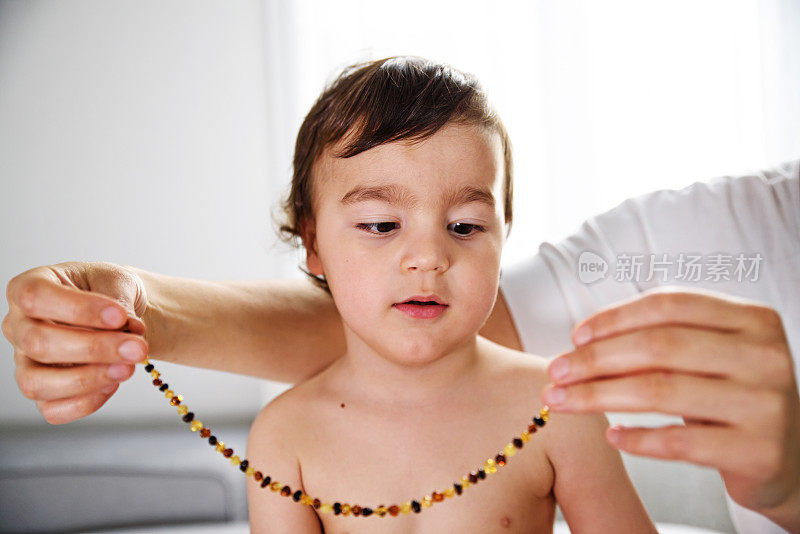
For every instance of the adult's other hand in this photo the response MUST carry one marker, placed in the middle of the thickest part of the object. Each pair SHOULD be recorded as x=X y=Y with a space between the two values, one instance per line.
x=722 y=363
x=76 y=332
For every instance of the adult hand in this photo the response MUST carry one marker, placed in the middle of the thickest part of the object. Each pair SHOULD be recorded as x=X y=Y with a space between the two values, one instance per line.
x=722 y=363
x=76 y=334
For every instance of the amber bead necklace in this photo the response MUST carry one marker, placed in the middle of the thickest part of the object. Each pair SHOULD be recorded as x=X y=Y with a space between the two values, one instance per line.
x=337 y=508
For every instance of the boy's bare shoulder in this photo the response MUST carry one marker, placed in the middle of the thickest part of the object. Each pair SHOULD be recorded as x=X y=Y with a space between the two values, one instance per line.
x=514 y=366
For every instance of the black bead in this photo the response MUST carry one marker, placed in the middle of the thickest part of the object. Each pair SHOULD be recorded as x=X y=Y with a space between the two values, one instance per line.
x=188 y=417
x=149 y=367
x=538 y=421
x=212 y=440
x=517 y=443
x=457 y=488
x=164 y=387
x=481 y=474
x=296 y=495
x=337 y=508
x=265 y=482
x=366 y=511
x=243 y=465
x=416 y=507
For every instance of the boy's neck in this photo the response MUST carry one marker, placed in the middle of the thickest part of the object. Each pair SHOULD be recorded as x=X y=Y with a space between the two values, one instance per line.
x=383 y=381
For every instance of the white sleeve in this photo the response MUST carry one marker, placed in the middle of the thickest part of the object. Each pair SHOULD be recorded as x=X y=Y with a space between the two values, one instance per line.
x=748 y=214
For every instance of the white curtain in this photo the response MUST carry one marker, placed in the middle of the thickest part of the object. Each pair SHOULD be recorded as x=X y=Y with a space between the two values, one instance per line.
x=603 y=100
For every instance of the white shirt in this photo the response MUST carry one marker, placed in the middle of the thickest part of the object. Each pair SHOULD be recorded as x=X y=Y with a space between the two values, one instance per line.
x=724 y=223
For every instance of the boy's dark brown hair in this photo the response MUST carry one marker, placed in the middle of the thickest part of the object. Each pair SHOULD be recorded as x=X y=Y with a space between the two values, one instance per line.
x=378 y=102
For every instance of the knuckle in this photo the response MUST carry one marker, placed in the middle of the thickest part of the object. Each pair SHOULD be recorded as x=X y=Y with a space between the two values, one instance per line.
x=658 y=343
x=656 y=389
x=33 y=342
x=675 y=444
x=28 y=385
x=96 y=346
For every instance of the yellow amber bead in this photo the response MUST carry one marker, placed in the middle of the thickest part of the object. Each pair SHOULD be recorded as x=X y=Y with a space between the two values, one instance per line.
x=405 y=508
x=427 y=502
x=326 y=508
x=346 y=509
x=490 y=469
x=449 y=492
x=465 y=482
x=490 y=462
x=146 y=362
x=154 y=373
x=525 y=437
x=220 y=446
x=169 y=394
x=509 y=450
x=305 y=499
x=196 y=425
x=183 y=409
x=235 y=460
x=275 y=486
x=381 y=510
x=250 y=471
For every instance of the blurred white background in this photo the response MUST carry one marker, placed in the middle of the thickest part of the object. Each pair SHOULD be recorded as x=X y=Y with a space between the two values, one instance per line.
x=160 y=134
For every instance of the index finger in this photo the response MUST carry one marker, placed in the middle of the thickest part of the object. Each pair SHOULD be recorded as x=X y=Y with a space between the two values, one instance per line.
x=41 y=295
x=677 y=306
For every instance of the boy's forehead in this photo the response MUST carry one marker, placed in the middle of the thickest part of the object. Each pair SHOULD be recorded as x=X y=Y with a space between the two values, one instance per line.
x=457 y=160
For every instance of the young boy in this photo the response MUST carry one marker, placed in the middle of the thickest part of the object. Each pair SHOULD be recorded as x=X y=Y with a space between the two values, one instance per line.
x=402 y=197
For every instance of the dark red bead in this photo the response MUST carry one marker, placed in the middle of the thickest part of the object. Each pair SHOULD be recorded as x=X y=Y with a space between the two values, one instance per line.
x=227 y=453
x=157 y=382
x=286 y=491
x=356 y=510
x=258 y=475
x=500 y=459
x=473 y=478
x=532 y=428
x=394 y=510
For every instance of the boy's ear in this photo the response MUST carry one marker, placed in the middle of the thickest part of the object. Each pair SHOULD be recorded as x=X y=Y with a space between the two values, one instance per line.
x=308 y=234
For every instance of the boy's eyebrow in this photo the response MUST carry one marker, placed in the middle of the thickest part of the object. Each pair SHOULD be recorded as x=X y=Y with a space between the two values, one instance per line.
x=400 y=196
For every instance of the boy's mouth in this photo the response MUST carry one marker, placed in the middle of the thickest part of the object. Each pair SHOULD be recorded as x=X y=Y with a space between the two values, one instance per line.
x=420 y=307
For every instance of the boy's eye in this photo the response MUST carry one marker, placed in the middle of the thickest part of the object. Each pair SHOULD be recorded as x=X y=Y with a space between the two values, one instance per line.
x=380 y=227
x=464 y=229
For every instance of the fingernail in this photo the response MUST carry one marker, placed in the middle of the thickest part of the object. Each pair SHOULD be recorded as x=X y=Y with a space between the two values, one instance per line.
x=130 y=350
x=119 y=371
x=583 y=334
x=556 y=396
x=112 y=316
x=559 y=369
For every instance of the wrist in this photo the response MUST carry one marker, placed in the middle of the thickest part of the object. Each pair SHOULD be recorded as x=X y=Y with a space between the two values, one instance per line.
x=152 y=315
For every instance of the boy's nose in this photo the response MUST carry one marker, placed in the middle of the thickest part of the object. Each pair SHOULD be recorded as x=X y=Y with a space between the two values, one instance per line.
x=426 y=256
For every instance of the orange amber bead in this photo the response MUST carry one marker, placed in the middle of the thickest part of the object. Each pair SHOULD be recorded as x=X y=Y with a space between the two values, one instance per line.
x=437 y=497
x=205 y=433
x=394 y=510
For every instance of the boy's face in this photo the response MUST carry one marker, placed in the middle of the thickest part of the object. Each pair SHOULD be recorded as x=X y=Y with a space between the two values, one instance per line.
x=414 y=230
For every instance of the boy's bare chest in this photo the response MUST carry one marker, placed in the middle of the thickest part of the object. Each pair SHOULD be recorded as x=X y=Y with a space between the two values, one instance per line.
x=361 y=456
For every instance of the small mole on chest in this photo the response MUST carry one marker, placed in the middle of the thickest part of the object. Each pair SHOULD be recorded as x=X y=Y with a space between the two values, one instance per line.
x=505 y=522
x=342 y=405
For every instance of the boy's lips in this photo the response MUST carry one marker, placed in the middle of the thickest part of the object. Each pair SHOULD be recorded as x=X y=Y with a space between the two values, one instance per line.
x=422 y=307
